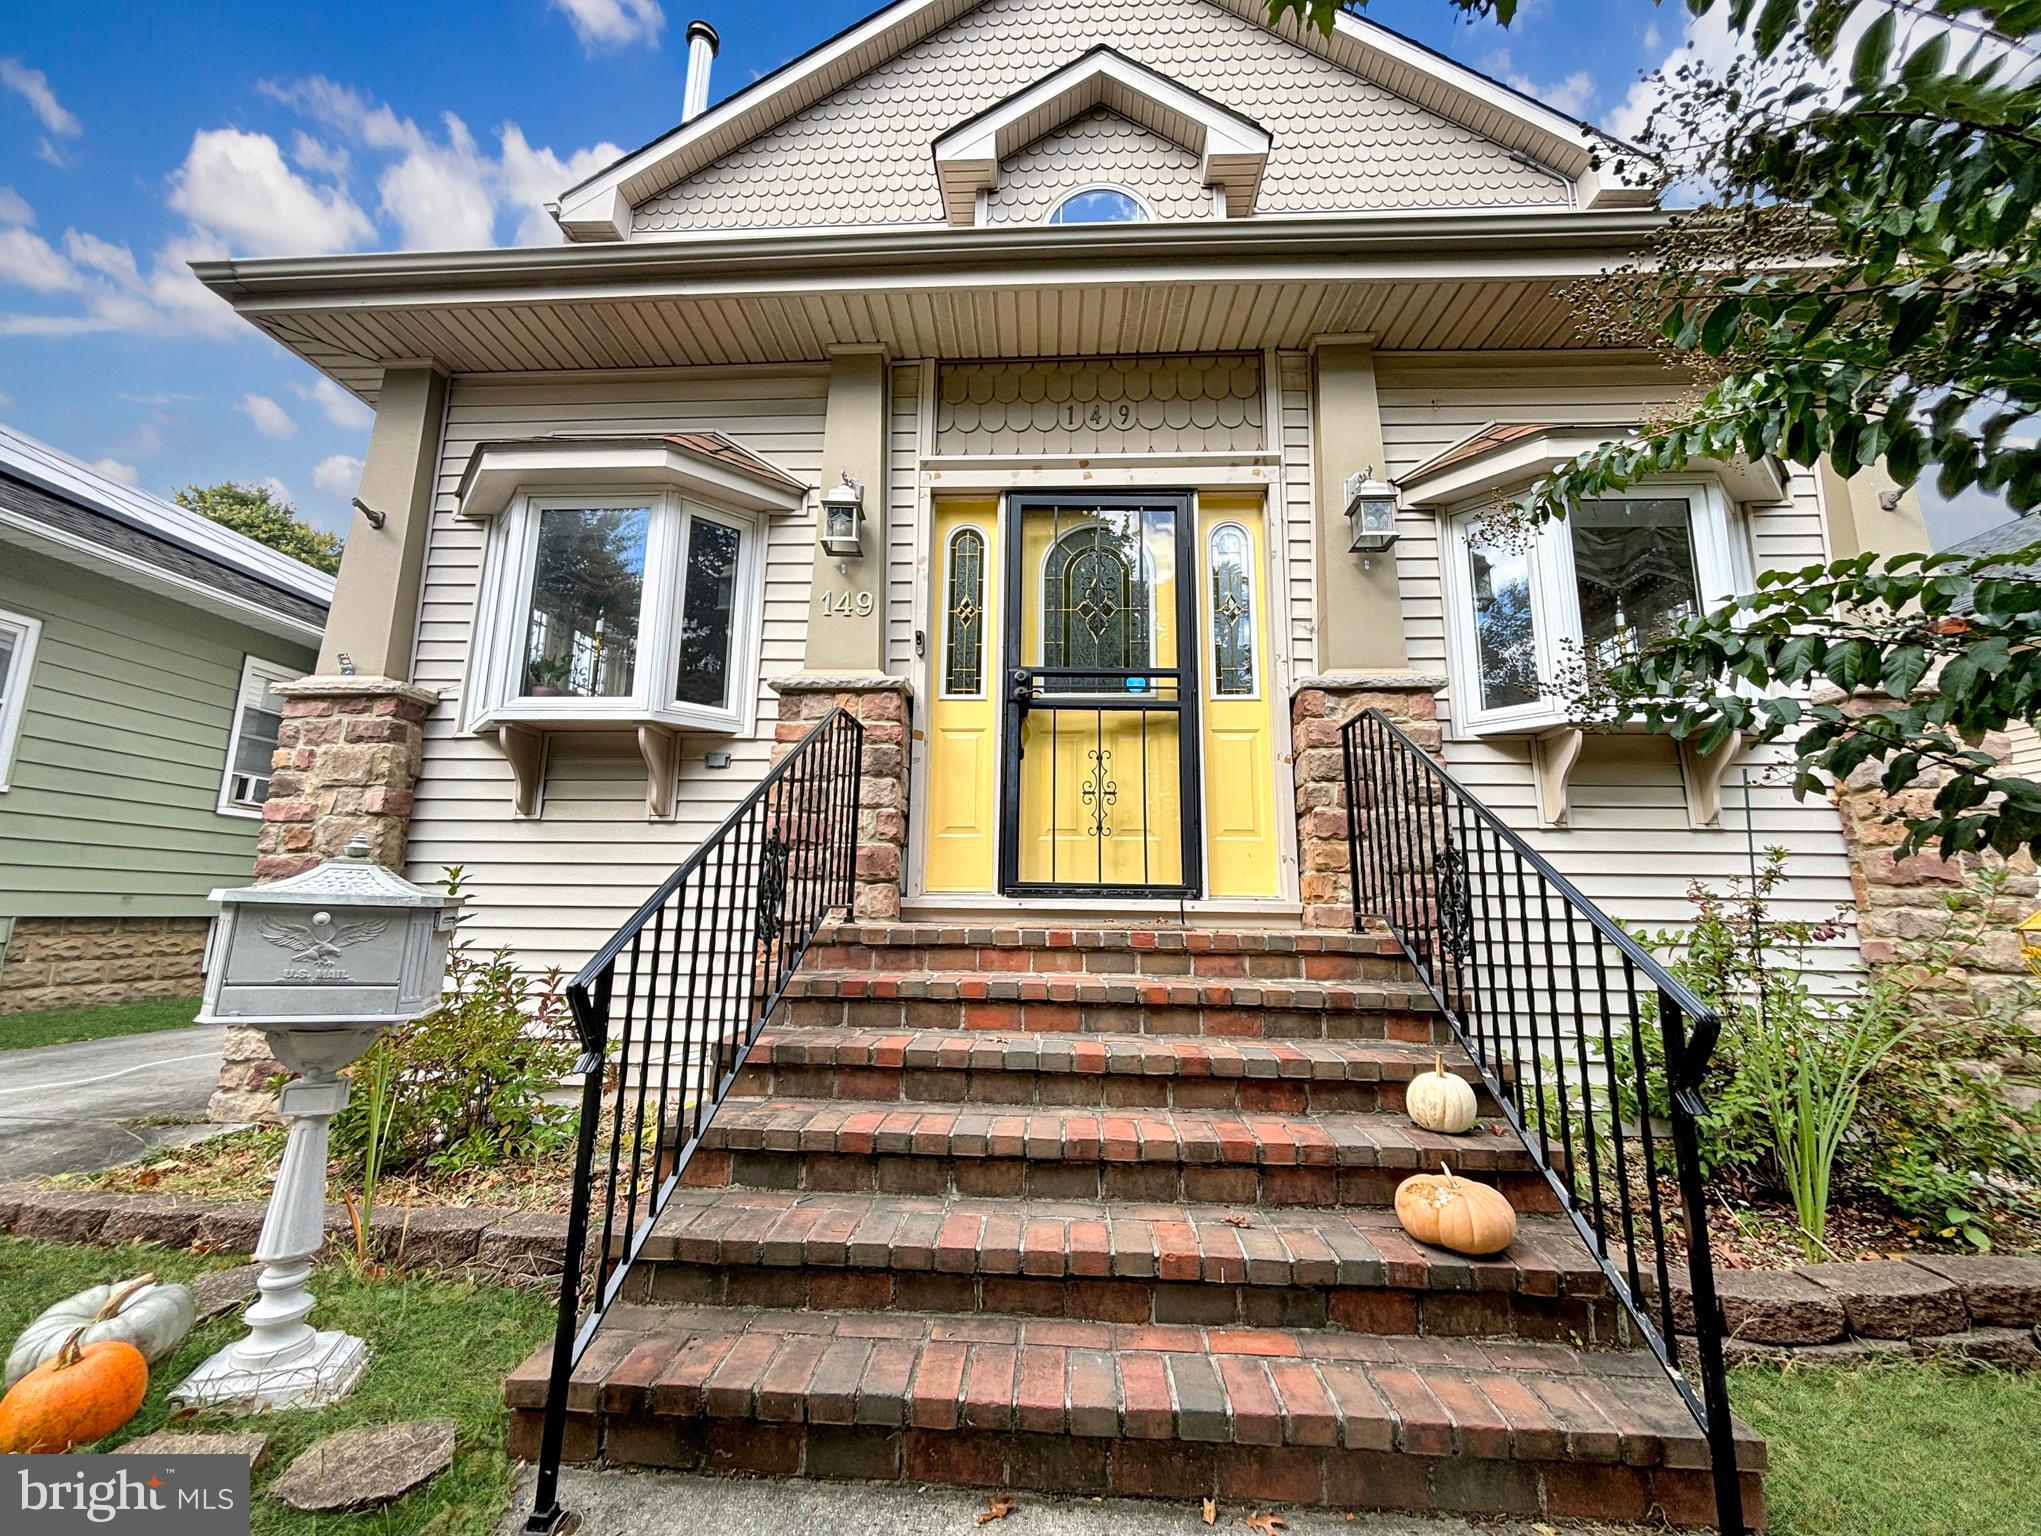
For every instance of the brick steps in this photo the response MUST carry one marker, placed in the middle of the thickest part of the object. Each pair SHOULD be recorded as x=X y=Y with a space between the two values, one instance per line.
x=1134 y=1005
x=1341 y=1419
x=1023 y=1067
x=1071 y=1153
x=1352 y=1269
x=1123 y=949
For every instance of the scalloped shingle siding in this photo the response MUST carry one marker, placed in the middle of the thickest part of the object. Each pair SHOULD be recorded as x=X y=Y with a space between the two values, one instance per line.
x=1103 y=405
x=1100 y=148
x=862 y=155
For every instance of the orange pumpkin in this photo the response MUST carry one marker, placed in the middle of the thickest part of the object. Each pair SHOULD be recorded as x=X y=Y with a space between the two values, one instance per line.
x=1456 y=1213
x=77 y=1396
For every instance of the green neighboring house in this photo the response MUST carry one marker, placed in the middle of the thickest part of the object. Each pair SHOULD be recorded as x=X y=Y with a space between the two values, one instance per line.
x=139 y=644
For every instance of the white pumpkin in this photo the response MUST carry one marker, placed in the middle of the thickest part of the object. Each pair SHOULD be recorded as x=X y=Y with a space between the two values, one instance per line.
x=1439 y=1100
x=154 y=1318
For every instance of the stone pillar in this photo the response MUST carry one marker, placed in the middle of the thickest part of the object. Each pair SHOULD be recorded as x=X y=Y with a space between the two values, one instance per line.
x=1319 y=707
x=1360 y=610
x=1900 y=899
x=881 y=705
x=347 y=760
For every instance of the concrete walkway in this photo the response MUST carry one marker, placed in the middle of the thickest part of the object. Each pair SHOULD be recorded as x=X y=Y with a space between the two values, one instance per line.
x=615 y=1503
x=92 y=1103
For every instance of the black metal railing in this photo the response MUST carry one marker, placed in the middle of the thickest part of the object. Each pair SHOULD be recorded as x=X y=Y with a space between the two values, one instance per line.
x=667 y=1012
x=1595 y=1052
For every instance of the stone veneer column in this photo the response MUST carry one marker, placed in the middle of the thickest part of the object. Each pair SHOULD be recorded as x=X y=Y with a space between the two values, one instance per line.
x=1319 y=707
x=347 y=760
x=880 y=704
x=1906 y=898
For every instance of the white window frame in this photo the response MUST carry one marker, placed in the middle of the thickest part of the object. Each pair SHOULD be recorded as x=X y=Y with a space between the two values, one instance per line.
x=1254 y=647
x=27 y=633
x=1722 y=568
x=272 y=673
x=1147 y=208
x=496 y=662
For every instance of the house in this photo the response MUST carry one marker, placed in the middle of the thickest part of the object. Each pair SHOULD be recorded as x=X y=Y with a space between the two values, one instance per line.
x=1096 y=404
x=140 y=645
x=2007 y=538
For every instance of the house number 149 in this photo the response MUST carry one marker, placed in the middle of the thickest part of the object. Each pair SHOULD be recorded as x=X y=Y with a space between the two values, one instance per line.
x=844 y=604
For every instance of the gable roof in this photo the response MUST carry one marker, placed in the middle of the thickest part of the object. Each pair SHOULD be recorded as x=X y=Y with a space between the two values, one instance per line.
x=1233 y=150
x=104 y=523
x=600 y=207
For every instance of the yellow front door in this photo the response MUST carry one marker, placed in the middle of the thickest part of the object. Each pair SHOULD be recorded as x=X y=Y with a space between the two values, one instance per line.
x=963 y=729
x=1143 y=652
x=1241 y=847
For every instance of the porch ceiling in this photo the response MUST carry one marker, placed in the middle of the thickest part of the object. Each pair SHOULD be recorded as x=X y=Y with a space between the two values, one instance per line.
x=1447 y=283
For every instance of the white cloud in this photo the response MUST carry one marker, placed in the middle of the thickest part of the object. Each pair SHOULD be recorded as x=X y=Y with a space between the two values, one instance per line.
x=319 y=157
x=270 y=419
x=341 y=408
x=1572 y=95
x=5 y=399
x=33 y=87
x=531 y=178
x=277 y=489
x=113 y=469
x=603 y=24
x=29 y=261
x=237 y=186
x=438 y=195
x=339 y=475
x=14 y=207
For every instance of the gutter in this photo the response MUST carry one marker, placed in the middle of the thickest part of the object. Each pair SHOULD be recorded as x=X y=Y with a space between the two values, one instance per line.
x=553 y=273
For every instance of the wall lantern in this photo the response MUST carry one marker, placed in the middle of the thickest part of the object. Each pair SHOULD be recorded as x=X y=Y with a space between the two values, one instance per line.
x=843 y=516
x=1371 y=512
x=2030 y=942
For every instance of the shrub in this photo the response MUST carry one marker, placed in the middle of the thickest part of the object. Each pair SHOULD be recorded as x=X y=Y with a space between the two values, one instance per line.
x=467 y=1084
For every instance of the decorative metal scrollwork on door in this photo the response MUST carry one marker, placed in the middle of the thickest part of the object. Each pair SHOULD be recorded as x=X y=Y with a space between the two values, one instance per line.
x=1099 y=792
x=1455 y=898
x=772 y=887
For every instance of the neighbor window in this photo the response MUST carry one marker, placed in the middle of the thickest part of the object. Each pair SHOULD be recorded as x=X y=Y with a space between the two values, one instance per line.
x=1534 y=609
x=1099 y=205
x=258 y=713
x=18 y=636
x=614 y=609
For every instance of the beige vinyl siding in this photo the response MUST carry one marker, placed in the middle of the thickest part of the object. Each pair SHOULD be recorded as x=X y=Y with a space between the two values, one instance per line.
x=113 y=809
x=904 y=611
x=2026 y=758
x=1300 y=509
x=556 y=885
x=1628 y=843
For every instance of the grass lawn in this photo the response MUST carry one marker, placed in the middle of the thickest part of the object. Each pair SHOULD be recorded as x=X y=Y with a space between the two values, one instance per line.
x=438 y=1348
x=58 y=1026
x=1900 y=1450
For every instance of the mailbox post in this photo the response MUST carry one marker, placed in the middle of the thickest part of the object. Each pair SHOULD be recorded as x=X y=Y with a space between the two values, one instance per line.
x=321 y=963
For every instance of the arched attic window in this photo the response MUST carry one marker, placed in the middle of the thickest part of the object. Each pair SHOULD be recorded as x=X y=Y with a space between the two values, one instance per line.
x=1100 y=205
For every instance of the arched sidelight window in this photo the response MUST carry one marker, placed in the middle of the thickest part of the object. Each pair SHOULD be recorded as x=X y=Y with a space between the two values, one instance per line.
x=1100 y=205
x=1231 y=559
x=964 y=616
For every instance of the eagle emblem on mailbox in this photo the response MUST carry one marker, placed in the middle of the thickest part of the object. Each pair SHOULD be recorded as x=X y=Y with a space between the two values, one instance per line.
x=315 y=946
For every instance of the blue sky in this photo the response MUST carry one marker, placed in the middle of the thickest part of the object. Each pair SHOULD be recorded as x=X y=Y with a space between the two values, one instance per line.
x=134 y=138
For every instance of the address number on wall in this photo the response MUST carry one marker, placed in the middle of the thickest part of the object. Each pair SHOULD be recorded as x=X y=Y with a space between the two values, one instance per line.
x=846 y=604
x=1076 y=414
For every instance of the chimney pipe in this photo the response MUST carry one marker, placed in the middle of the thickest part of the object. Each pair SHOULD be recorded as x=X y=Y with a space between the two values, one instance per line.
x=702 y=44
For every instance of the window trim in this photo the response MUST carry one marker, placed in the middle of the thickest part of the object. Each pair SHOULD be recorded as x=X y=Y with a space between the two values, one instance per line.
x=27 y=634
x=273 y=672
x=1722 y=568
x=503 y=614
x=1254 y=647
x=1147 y=208
x=984 y=612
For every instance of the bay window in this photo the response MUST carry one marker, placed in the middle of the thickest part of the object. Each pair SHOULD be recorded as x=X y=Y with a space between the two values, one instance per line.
x=1530 y=607
x=617 y=609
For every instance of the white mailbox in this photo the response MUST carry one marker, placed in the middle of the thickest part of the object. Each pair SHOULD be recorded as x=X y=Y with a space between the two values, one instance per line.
x=347 y=944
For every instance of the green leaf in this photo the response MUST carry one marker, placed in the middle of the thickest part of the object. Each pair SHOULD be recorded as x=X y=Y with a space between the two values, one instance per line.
x=1867 y=64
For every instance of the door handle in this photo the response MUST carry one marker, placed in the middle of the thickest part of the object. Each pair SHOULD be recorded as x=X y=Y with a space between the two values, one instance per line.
x=1020 y=688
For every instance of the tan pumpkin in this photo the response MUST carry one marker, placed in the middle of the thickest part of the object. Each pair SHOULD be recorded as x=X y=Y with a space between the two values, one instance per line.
x=1456 y=1213
x=1439 y=1100
x=152 y=1317
x=82 y=1394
